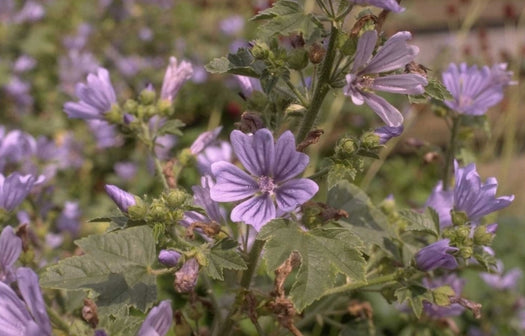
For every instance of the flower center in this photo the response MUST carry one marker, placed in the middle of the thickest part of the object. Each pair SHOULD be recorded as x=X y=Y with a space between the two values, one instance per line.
x=266 y=184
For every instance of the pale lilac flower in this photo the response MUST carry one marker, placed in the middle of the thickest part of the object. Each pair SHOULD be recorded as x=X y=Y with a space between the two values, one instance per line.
x=186 y=278
x=106 y=135
x=454 y=309
x=391 y=5
x=31 y=12
x=204 y=140
x=499 y=280
x=10 y=249
x=69 y=219
x=96 y=97
x=436 y=255
x=158 y=321
x=16 y=187
x=442 y=201
x=20 y=91
x=176 y=75
x=24 y=63
x=248 y=85
x=26 y=317
x=163 y=143
x=386 y=133
x=363 y=79
x=232 y=25
x=200 y=75
x=213 y=153
x=78 y=41
x=15 y=146
x=126 y=170
x=122 y=199
x=129 y=66
x=272 y=168
x=475 y=90
x=202 y=198
x=169 y=258
x=73 y=67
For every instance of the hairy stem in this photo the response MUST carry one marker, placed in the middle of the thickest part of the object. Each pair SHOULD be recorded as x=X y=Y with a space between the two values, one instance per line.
x=456 y=121
x=57 y=321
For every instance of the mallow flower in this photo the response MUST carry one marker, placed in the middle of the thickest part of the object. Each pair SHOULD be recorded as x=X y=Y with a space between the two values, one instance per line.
x=122 y=199
x=269 y=185
x=204 y=140
x=475 y=89
x=436 y=255
x=391 y=5
x=158 y=321
x=386 y=133
x=15 y=188
x=10 y=249
x=96 y=97
x=454 y=309
x=202 y=198
x=213 y=153
x=26 y=317
x=176 y=75
x=364 y=78
x=502 y=281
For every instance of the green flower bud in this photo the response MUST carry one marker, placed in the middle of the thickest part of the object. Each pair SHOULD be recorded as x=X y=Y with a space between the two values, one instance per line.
x=462 y=233
x=114 y=116
x=260 y=51
x=149 y=111
x=482 y=237
x=466 y=252
x=165 y=108
x=370 y=140
x=297 y=59
x=157 y=210
x=137 y=211
x=147 y=97
x=185 y=157
x=176 y=198
x=130 y=106
x=295 y=110
x=347 y=146
x=459 y=218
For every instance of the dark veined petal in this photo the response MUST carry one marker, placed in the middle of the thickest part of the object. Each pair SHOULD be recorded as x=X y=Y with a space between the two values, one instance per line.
x=394 y=54
x=295 y=192
x=436 y=255
x=288 y=161
x=442 y=201
x=81 y=110
x=158 y=321
x=365 y=47
x=232 y=184
x=10 y=249
x=388 y=113
x=256 y=152
x=256 y=211
x=402 y=84
x=350 y=89
x=14 y=317
x=386 y=133
x=30 y=290
x=122 y=199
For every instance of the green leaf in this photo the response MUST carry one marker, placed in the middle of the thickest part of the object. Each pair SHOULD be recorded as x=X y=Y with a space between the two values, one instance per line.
x=285 y=17
x=240 y=63
x=223 y=255
x=368 y=222
x=421 y=222
x=325 y=252
x=115 y=267
x=434 y=90
x=442 y=295
x=172 y=126
x=414 y=295
x=119 y=322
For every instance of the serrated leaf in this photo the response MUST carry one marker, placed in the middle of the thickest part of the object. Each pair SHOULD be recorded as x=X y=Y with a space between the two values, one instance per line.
x=115 y=266
x=368 y=222
x=324 y=253
x=223 y=255
x=421 y=222
x=339 y=172
x=172 y=126
x=119 y=322
x=442 y=295
x=241 y=63
x=414 y=295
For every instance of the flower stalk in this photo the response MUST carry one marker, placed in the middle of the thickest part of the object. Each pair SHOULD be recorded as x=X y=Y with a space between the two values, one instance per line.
x=449 y=158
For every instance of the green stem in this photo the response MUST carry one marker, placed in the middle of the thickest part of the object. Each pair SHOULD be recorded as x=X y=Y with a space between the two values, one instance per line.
x=298 y=94
x=456 y=121
x=319 y=174
x=160 y=172
x=150 y=142
x=321 y=88
x=57 y=321
x=357 y=285
x=253 y=258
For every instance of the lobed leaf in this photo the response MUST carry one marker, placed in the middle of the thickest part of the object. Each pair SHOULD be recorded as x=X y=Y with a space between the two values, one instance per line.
x=223 y=255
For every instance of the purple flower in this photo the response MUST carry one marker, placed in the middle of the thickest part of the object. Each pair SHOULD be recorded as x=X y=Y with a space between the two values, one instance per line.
x=500 y=281
x=248 y=84
x=10 y=249
x=105 y=134
x=202 y=198
x=20 y=91
x=176 y=75
x=363 y=80
x=31 y=12
x=169 y=258
x=158 y=321
x=442 y=201
x=204 y=140
x=475 y=90
x=15 y=146
x=454 y=309
x=126 y=170
x=386 y=133
x=69 y=219
x=24 y=63
x=14 y=188
x=122 y=199
x=232 y=25
x=186 y=277
x=213 y=153
x=27 y=316
x=163 y=143
x=391 y=5
x=272 y=168
x=436 y=255
x=72 y=68
x=96 y=97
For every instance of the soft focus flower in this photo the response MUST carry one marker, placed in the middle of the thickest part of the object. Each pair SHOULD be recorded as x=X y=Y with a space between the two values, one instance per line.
x=20 y=91
x=363 y=79
x=15 y=146
x=31 y=12
x=436 y=255
x=169 y=258
x=69 y=219
x=442 y=201
x=163 y=143
x=454 y=309
x=122 y=199
x=158 y=321
x=14 y=188
x=391 y=5
x=27 y=317
x=475 y=90
x=73 y=67
x=186 y=277
x=10 y=249
x=500 y=281
x=24 y=63
x=232 y=25
x=272 y=168
x=96 y=97
x=248 y=84
x=202 y=198
x=386 y=133
x=105 y=134
x=204 y=140
x=213 y=153
x=126 y=170
x=176 y=75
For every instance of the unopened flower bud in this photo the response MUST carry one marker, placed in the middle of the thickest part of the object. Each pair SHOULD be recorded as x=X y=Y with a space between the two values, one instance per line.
x=157 y=210
x=130 y=106
x=147 y=96
x=317 y=53
x=165 y=108
x=459 y=218
x=186 y=277
x=348 y=146
x=482 y=236
x=176 y=198
x=260 y=51
x=466 y=252
x=169 y=258
x=149 y=111
x=137 y=211
x=114 y=115
x=370 y=140
x=462 y=233
x=295 y=110
x=297 y=59
x=122 y=199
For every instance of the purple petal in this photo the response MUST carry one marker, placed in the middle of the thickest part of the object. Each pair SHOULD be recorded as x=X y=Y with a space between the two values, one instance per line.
x=176 y=75
x=295 y=192
x=256 y=211
x=391 y=5
x=30 y=290
x=394 y=54
x=204 y=140
x=232 y=184
x=288 y=161
x=401 y=84
x=365 y=47
x=442 y=201
x=256 y=152
x=202 y=197
x=386 y=133
x=14 y=318
x=122 y=199
x=169 y=258
x=436 y=255
x=388 y=113
x=158 y=321
x=10 y=249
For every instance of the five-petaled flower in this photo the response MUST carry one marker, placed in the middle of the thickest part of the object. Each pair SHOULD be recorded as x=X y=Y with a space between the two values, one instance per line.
x=270 y=181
